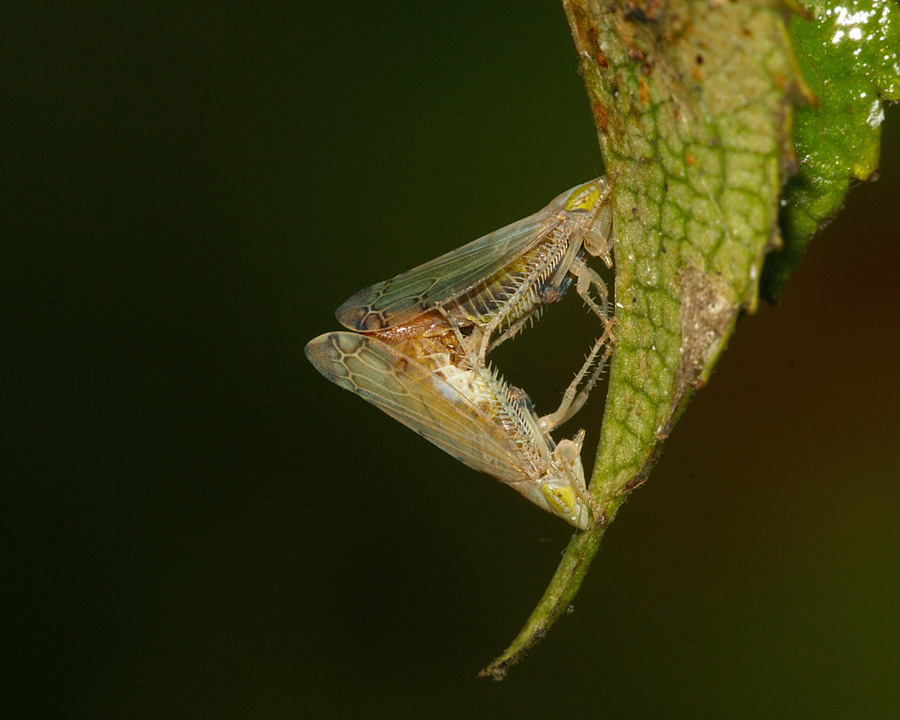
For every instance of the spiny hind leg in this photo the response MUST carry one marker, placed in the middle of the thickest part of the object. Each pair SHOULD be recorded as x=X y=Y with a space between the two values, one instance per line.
x=512 y=330
x=573 y=399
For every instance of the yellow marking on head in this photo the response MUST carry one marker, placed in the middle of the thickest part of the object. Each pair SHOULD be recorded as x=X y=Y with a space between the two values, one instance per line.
x=584 y=197
x=560 y=499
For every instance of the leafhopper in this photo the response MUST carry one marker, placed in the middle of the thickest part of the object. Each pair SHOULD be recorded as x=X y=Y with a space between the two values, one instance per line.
x=500 y=281
x=472 y=414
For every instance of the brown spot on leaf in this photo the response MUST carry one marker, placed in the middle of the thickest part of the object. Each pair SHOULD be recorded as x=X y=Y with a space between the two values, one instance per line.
x=585 y=32
x=601 y=116
x=644 y=91
x=636 y=481
x=780 y=80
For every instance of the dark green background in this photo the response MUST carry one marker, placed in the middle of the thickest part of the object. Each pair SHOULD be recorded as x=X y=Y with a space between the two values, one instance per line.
x=196 y=524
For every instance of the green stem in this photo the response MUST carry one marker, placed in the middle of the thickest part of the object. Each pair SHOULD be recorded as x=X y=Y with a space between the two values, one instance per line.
x=557 y=597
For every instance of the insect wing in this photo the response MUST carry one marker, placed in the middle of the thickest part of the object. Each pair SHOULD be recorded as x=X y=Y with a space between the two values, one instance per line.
x=415 y=396
x=403 y=298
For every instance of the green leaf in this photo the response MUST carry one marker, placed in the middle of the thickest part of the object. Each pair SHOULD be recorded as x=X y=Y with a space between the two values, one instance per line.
x=693 y=102
x=849 y=54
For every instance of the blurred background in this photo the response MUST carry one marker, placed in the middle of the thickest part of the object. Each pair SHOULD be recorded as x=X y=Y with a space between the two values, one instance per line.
x=195 y=523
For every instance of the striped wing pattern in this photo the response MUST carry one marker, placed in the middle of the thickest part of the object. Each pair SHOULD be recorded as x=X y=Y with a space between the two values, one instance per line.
x=415 y=396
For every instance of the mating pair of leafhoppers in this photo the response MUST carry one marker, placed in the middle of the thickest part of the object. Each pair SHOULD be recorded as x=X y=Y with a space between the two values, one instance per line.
x=419 y=343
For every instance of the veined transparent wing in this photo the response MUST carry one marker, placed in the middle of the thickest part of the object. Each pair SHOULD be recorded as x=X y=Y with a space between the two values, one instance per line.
x=415 y=396
x=403 y=298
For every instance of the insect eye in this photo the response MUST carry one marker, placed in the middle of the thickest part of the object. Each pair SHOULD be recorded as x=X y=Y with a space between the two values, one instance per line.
x=583 y=198
x=560 y=499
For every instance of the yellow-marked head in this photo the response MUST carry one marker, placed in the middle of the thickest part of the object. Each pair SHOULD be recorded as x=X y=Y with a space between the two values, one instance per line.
x=563 y=489
x=560 y=499
x=565 y=501
x=585 y=197
x=590 y=204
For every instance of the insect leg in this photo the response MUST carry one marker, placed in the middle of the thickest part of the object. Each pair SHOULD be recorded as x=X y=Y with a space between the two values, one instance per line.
x=585 y=278
x=525 y=286
x=573 y=399
x=511 y=331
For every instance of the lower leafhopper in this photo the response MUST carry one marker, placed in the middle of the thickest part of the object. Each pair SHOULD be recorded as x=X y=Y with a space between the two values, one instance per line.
x=472 y=414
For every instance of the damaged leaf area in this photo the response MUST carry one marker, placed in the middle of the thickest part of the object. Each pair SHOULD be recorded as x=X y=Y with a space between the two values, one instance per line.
x=693 y=104
x=849 y=54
